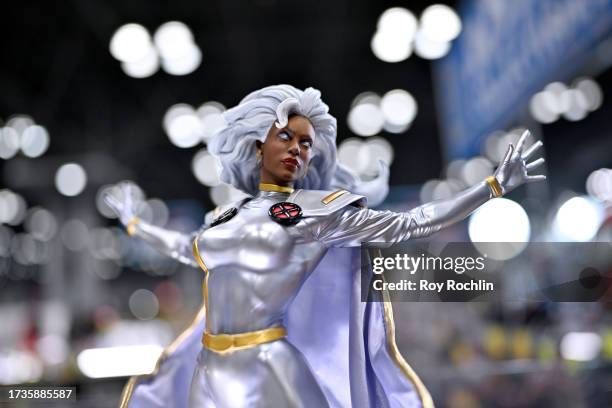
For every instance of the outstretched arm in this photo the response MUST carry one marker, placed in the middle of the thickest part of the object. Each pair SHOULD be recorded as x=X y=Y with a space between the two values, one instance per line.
x=352 y=225
x=172 y=243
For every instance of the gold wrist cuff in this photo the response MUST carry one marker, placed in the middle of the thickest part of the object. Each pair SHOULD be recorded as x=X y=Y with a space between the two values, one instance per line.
x=131 y=226
x=496 y=190
x=222 y=343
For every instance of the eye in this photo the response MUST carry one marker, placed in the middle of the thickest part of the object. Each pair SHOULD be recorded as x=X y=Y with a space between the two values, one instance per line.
x=307 y=143
x=284 y=136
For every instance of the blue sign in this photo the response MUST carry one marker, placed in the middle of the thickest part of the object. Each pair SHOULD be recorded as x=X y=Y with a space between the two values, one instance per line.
x=507 y=51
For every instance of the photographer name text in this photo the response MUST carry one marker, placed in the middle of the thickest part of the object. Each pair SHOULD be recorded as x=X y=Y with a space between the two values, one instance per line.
x=425 y=285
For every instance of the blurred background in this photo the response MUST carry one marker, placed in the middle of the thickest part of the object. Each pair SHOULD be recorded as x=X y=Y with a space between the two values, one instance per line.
x=96 y=92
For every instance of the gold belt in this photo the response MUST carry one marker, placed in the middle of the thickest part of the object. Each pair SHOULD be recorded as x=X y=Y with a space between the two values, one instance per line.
x=230 y=342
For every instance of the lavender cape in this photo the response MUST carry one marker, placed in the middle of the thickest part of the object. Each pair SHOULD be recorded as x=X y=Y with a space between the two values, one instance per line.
x=349 y=345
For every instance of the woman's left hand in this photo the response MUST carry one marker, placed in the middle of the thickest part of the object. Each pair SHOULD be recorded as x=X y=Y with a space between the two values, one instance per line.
x=513 y=170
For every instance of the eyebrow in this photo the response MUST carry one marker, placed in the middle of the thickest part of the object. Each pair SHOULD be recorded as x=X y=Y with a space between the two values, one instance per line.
x=288 y=129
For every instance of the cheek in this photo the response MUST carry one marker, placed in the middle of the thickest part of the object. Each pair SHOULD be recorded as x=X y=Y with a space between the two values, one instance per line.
x=271 y=153
x=306 y=159
x=307 y=156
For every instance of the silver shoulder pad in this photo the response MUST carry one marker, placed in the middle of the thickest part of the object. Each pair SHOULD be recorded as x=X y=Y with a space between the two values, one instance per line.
x=214 y=214
x=316 y=203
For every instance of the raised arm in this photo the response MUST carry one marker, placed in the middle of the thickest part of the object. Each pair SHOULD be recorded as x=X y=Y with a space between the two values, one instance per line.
x=351 y=226
x=172 y=243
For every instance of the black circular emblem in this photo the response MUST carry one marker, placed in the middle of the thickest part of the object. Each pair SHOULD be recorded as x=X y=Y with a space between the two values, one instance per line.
x=286 y=213
x=226 y=216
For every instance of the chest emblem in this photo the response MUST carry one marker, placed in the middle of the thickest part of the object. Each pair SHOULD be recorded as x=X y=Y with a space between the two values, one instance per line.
x=286 y=213
x=225 y=217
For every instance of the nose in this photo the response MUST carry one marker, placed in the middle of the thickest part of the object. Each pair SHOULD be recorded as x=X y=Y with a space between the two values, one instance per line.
x=294 y=148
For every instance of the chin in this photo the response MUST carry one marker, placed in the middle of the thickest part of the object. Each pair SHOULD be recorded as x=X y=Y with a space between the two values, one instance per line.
x=288 y=177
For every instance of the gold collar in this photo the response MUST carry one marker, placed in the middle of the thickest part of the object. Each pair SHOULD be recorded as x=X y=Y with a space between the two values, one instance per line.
x=275 y=188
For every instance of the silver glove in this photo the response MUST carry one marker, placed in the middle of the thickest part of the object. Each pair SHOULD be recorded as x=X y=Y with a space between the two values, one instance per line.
x=124 y=206
x=172 y=243
x=513 y=170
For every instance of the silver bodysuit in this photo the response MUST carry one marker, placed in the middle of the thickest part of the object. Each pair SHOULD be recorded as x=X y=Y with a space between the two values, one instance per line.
x=255 y=269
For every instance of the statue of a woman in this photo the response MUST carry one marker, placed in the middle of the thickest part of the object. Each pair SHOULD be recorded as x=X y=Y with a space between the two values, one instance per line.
x=282 y=323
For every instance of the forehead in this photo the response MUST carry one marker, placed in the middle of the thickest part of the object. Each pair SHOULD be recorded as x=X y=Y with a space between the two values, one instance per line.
x=301 y=126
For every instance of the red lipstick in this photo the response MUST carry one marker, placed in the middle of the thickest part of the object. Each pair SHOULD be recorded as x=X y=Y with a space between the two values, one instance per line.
x=292 y=164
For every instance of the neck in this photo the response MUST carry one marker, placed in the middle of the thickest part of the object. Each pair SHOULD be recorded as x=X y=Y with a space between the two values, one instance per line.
x=275 y=188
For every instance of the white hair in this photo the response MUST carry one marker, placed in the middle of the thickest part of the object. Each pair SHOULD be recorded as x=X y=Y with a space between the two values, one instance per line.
x=251 y=120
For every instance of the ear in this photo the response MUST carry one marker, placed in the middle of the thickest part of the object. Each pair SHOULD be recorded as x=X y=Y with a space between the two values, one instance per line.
x=259 y=145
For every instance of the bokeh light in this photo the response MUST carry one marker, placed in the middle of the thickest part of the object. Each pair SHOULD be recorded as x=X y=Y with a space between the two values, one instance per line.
x=184 y=65
x=389 y=48
x=540 y=107
x=591 y=90
x=34 y=141
x=500 y=228
x=440 y=23
x=12 y=207
x=19 y=367
x=206 y=168
x=372 y=151
x=160 y=213
x=211 y=117
x=104 y=244
x=430 y=49
x=75 y=235
x=225 y=193
x=599 y=184
x=118 y=361
x=143 y=67
x=41 y=223
x=370 y=114
x=183 y=126
x=177 y=49
x=366 y=119
x=399 y=108
x=101 y=205
x=173 y=40
x=580 y=346
x=9 y=142
x=398 y=21
x=362 y=156
x=427 y=189
x=53 y=349
x=349 y=154
x=578 y=219
x=144 y=304
x=131 y=42
x=573 y=103
x=20 y=123
x=392 y=41
x=70 y=179
x=476 y=170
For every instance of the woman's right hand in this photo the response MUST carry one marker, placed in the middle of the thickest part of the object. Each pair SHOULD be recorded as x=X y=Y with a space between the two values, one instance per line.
x=122 y=203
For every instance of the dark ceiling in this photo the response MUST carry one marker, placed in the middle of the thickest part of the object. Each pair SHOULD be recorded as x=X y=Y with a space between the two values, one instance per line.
x=57 y=68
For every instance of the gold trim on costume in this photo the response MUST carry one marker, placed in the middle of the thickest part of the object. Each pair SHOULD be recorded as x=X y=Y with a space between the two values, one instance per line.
x=196 y=254
x=494 y=186
x=225 y=343
x=422 y=391
x=411 y=375
x=128 y=389
x=328 y=199
x=275 y=188
x=131 y=226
